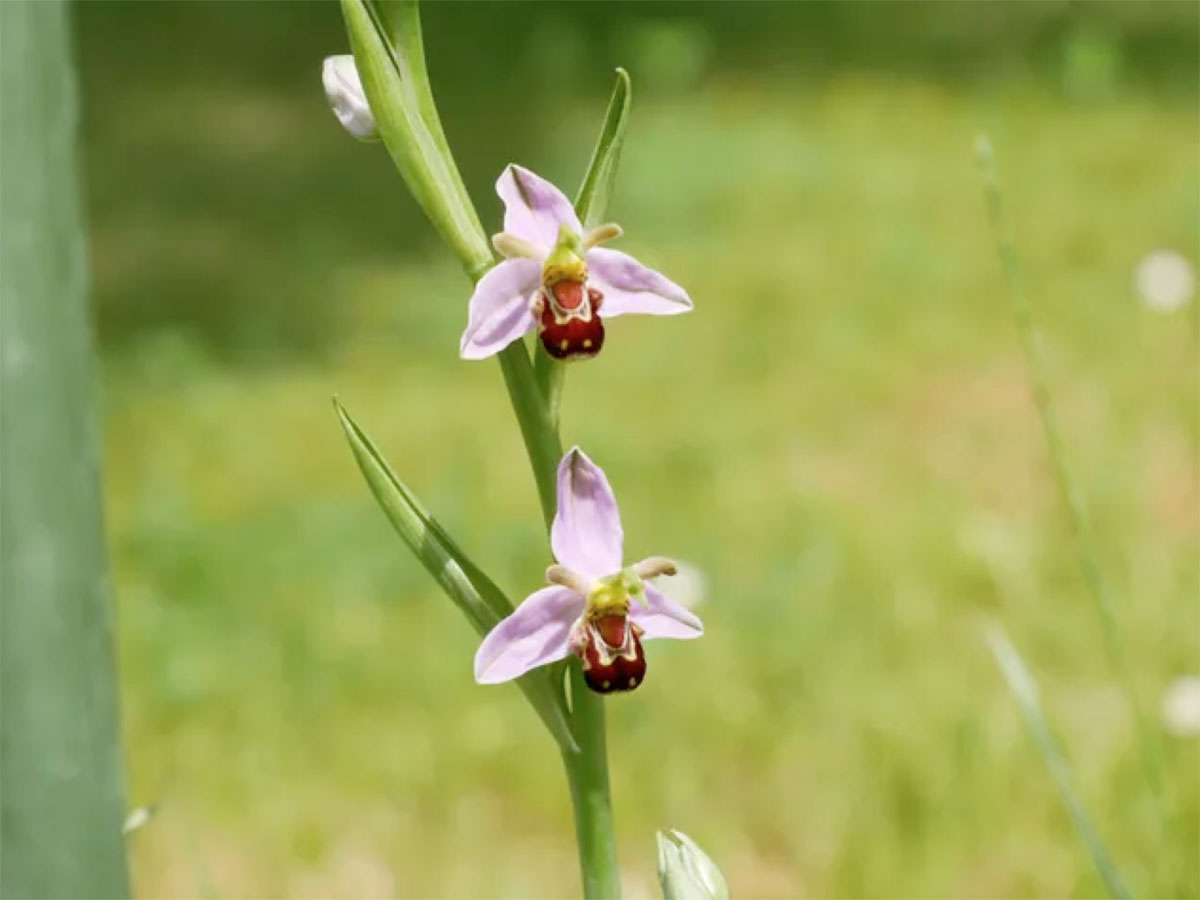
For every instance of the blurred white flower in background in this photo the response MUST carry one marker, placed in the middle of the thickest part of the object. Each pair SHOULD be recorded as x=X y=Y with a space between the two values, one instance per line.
x=1165 y=280
x=688 y=586
x=1181 y=706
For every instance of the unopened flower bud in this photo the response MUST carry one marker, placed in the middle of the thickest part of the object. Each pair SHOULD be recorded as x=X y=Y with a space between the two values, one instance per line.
x=685 y=871
x=344 y=89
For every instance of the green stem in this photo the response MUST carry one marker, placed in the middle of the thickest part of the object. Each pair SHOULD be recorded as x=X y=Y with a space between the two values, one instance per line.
x=550 y=374
x=386 y=38
x=587 y=769
x=538 y=429
x=587 y=773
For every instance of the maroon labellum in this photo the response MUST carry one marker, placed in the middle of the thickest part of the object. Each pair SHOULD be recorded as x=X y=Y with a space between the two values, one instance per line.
x=568 y=320
x=612 y=655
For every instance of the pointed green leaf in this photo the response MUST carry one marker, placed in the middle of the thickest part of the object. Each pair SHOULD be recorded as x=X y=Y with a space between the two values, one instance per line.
x=478 y=597
x=483 y=603
x=591 y=205
x=1025 y=690
x=596 y=191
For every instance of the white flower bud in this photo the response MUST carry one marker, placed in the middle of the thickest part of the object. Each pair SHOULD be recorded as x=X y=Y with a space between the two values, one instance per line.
x=685 y=871
x=345 y=92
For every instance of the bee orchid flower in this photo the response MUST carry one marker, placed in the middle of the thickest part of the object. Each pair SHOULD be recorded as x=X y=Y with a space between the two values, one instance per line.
x=594 y=607
x=557 y=278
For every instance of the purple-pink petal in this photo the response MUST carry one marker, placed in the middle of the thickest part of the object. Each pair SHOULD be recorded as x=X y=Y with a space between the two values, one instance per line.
x=534 y=208
x=664 y=618
x=534 y=635
x=586 y=535
x=499 y=311
x=630 y=287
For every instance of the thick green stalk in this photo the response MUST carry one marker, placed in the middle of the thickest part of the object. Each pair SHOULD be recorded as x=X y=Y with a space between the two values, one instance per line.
x=61 y=794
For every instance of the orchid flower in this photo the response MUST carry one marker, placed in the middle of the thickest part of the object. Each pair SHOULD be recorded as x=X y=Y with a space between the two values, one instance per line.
x=588 y=610
x=557 y=278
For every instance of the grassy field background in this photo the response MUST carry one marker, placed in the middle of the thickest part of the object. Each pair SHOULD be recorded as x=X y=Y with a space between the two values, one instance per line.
x=841 y=438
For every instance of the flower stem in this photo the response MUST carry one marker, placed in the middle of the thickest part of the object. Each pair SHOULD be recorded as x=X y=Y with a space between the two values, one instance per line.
x=538 y=428
x=587 y=773
x=587 y=769
x=550 y=374
x=386 y=39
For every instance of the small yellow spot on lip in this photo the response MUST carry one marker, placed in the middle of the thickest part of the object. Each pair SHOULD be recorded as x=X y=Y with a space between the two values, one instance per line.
x=587 y=343
x=606 y=684
x=564 y=344
x=633 y=682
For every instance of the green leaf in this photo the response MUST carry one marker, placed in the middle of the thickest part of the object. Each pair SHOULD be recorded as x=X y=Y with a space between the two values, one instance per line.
x=61 y=775
x=481 y=601
x=385 y=38
x=596 y=191
x=1025 y=690
x=591 y=205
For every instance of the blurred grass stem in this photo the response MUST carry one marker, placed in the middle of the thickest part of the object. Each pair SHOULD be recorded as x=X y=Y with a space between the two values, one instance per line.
x=1031 y=343
x=1024 y=689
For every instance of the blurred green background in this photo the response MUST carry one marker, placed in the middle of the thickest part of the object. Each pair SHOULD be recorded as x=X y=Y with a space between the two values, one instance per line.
x=841 y=439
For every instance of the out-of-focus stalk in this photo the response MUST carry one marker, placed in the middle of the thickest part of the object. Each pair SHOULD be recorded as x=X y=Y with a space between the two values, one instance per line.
x=1024 y=689
x=61 y=794
x=1072 y=495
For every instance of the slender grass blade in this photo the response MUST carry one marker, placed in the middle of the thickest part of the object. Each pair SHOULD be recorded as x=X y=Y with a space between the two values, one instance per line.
x=1072 y=495
x=1025 y=691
